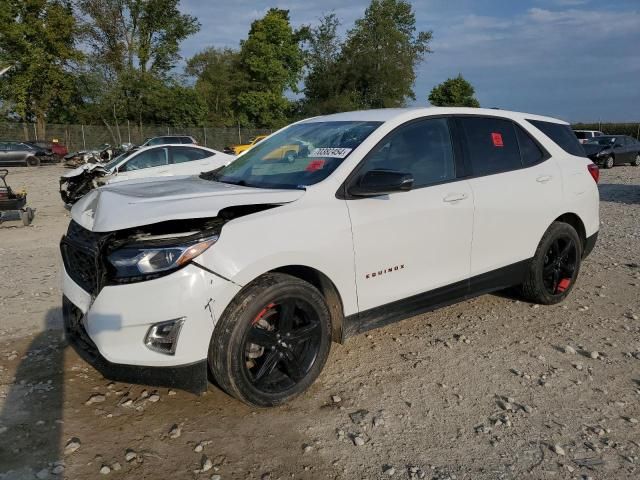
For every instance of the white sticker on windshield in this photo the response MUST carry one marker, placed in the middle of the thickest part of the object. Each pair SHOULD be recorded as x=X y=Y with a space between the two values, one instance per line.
x=330 y=152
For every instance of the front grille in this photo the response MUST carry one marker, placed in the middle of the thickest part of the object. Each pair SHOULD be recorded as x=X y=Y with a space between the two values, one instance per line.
x=80 y=250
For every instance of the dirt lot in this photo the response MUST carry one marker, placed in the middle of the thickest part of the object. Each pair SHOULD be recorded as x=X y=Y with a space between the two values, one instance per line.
x=483 y=389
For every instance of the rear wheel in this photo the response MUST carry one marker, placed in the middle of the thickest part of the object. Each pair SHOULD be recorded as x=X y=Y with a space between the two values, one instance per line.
x=272 y=341
x=636 y=161
x=555 y=265
x=33 y=162
x=608 y=162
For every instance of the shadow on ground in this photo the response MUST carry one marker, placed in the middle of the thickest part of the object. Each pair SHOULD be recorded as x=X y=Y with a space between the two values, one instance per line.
x=31 y=417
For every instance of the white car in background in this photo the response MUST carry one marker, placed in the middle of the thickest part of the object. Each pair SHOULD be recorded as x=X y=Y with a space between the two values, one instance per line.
x=250 y=272
x=145 y=162
x=585 y=135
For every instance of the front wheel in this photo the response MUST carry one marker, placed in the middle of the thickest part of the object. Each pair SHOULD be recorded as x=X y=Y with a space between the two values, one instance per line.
x=33 y=162
x=555 y=266
x=272 y=341
x=636 y=161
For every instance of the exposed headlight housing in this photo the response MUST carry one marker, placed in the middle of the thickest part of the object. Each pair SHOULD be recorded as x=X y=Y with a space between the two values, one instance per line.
x=142 y=261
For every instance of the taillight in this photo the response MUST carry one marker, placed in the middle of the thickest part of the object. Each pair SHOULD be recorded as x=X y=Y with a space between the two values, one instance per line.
x=594 y=171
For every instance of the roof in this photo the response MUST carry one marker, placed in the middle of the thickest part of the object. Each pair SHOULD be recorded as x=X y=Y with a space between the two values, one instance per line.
x=388 y=114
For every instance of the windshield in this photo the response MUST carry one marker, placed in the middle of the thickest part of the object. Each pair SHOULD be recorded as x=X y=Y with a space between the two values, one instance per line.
x=603 y=141
x=113 y=162
x=298 y=156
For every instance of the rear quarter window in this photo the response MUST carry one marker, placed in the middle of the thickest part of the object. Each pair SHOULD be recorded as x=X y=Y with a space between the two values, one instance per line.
x=561 y=135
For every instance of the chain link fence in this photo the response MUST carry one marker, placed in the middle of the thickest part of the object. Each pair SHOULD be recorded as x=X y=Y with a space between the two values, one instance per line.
x=80 y=137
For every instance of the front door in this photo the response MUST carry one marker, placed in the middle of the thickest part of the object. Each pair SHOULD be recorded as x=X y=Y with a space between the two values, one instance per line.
x=409 y=243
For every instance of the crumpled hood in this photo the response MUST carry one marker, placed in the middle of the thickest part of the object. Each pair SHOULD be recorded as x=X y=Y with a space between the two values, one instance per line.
x=143 y=202
x=87 y=167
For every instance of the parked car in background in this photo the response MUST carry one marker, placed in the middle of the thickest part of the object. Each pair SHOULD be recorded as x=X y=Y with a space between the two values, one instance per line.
x=144 y=162
x=610 y=150
x=238 y=149
x=250 y=272
x=58 y=149
x=24 y=153
x=584 y=135
x=169 y=139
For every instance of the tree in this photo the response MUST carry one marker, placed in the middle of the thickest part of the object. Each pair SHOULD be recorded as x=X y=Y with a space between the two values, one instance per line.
x=217 y=76
x=38 y=42
x=271 y=60
x=453 y=92
x=381 y=53
x=134 y=47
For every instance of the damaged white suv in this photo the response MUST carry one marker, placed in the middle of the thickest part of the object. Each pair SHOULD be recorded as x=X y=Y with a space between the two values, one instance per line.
x=328 y=228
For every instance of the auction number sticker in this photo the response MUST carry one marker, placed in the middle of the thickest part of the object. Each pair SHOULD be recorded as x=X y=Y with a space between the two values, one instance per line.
x=330 y=152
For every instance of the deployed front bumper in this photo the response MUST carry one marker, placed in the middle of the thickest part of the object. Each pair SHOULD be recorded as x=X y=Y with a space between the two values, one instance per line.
x=109 y=330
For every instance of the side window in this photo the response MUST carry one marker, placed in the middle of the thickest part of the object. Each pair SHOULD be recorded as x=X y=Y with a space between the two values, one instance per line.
x=156 y=157
x=188 y=154
x=421 y=148
x=491 y=144
x=187 y=140
x=561 y=135
x=529 y=151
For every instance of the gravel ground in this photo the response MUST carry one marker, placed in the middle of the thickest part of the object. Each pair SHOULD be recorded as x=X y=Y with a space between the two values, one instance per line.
x=489 y=388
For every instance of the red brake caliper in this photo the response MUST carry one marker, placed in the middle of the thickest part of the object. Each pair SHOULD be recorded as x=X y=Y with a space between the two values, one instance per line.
x=563 y=285
x=262 y=312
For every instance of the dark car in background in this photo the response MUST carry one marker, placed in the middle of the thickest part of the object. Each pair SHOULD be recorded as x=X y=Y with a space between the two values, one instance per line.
x=58 y=149
x=24 y=153
x=610 y=150
x=169 y=140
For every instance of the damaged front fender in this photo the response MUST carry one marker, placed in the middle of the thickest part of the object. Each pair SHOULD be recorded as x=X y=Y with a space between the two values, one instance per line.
x=77 y=183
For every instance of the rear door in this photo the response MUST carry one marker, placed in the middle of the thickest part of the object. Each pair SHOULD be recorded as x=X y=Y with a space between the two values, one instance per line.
x=516 y=189
x=409 y=243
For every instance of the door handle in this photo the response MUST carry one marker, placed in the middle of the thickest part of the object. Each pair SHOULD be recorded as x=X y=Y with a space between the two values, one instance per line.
x=454 y=197
x=544 y=178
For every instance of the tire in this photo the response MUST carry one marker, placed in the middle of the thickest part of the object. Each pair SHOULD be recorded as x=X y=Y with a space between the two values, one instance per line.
x=33 y=162
x=608 y=162
x=276 y=371
x=550 y=279
x=636 y=161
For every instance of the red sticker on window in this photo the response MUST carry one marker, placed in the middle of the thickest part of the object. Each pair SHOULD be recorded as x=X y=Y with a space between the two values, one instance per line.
x=497 y=139
x=314 y=165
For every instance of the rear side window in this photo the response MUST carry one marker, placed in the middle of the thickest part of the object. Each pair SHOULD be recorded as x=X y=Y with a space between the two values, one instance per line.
x=583 y=135
x=188 y=154
x=186 y=140
x=562 y=135
x=491 y=145
x=530 y=152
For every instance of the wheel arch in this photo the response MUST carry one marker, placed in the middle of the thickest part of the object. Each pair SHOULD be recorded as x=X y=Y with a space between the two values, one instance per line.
x=328 y=290
x=576 y=222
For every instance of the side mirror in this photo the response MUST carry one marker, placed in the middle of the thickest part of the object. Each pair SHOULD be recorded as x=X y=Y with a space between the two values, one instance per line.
x=381 y=182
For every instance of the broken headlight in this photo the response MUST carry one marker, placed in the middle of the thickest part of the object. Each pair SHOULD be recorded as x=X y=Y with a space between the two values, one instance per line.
x=149 y=260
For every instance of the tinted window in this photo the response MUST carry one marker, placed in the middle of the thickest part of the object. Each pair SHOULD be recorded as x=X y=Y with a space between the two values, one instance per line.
x=529 y=151
x=155 y=157
x=187 y=154
x=185 y=140
x=561 y=135
x=421 y=148
x=583 y=135
x=491 y=145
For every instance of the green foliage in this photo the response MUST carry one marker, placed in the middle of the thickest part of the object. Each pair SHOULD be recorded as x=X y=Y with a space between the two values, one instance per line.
x=38 y=41
x=217 y=74
x=381 y=53
x=453 y=92
x=271 y=60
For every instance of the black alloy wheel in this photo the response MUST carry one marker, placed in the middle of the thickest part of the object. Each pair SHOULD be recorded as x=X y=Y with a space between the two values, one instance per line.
x=282 y=345
x=560 y=265
x=272 y=340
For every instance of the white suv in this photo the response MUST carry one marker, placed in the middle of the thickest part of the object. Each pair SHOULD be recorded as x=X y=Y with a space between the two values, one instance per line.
x=330 y=227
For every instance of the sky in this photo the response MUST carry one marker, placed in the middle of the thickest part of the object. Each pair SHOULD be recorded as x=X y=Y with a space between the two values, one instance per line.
x=578 y=60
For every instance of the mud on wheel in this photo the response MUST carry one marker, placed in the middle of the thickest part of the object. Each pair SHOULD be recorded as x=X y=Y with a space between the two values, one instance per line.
x=272 y=341
x=555 y=266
